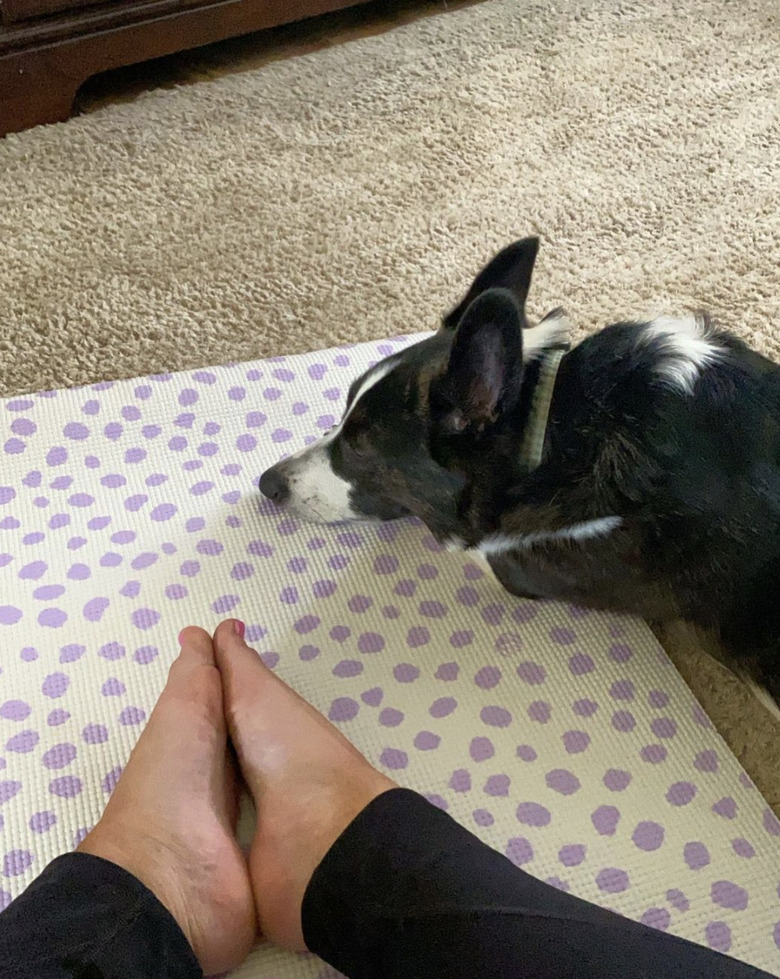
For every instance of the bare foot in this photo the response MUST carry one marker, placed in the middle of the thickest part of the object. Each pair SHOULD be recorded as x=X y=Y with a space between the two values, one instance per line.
x=171 y=818
x=308 y=782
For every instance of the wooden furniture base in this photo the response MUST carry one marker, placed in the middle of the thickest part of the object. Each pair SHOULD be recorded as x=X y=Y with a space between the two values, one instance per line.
x=45 y=59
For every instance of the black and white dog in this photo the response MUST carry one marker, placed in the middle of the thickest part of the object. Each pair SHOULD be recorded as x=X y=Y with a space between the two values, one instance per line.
x=638 y=471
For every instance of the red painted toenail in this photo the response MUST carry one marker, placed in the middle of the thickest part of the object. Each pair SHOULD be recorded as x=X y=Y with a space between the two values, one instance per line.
x=239 y=628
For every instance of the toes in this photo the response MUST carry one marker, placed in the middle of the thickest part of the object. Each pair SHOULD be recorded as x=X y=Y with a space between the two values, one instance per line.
x=240 y=666
x=193 y=677
x=197 y=647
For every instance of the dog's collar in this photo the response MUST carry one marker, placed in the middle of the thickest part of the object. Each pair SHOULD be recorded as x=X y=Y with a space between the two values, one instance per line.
x=536 y=429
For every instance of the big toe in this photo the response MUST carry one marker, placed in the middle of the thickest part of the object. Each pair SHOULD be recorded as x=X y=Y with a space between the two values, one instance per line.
x=307 y=780
x=238 y=663
x=274 y=730
x=245 y=677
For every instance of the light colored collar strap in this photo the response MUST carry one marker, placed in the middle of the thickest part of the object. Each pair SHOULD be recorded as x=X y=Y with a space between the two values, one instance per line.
x=536 y=429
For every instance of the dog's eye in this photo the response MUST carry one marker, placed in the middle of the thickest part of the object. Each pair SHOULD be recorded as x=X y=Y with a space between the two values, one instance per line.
x=358 y=448
x=358 y=444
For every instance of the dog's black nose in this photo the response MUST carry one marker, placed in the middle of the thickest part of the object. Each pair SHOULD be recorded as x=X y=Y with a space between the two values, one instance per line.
x=274 y=486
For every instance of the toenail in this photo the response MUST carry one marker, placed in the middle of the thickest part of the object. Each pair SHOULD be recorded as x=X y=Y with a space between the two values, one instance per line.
x=239 y=628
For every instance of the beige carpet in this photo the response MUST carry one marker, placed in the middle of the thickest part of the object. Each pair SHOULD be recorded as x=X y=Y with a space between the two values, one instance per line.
x=349 y=192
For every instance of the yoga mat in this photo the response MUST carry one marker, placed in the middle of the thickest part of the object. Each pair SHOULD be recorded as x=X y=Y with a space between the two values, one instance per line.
x=562 y=737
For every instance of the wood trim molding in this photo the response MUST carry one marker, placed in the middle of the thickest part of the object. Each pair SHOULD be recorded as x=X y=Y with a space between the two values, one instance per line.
x=43 y=63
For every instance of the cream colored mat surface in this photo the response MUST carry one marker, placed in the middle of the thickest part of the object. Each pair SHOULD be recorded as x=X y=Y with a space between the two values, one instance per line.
x=351 y=193
x=564 y=738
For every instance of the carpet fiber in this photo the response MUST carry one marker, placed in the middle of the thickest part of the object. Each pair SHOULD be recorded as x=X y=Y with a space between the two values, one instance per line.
x=349 y=193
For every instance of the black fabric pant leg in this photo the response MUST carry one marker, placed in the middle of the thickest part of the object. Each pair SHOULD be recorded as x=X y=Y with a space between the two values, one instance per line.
x=407 y=892
x=404 y=892
x=86 y=918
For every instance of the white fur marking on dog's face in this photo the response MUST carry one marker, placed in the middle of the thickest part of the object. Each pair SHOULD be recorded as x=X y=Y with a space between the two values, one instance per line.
x=686 y=349
x=317 y=493
x=584 y=530
x=555 y=328
x=380 y=371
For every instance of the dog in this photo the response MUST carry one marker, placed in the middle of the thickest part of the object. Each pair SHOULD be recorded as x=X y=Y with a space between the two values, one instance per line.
x=638 y=471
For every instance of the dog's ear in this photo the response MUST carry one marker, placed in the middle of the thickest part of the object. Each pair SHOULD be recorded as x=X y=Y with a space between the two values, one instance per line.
x=485 y=367
x=511 y=269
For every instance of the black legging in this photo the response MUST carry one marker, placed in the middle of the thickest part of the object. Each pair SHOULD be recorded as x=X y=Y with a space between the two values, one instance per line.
x=404 y=892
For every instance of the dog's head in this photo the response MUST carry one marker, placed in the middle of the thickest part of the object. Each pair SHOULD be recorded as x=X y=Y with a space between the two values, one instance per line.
x=427 y=431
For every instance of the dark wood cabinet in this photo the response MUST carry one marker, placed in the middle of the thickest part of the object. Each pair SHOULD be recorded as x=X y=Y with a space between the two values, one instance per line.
x=48 y=48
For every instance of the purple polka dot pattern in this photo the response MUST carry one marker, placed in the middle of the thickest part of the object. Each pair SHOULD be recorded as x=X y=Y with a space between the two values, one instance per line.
x=648 y=836
x=533 y=814
x=718 y=936
x=519 y=850
x=678 y=900
x=657 y=918
x=729 y=895
x=558 y=734
x=612 y=880
x=562 y=781
x=605 y=820
x=681 y=793
x=725 y=807
x=696 y=855
x=572 y=854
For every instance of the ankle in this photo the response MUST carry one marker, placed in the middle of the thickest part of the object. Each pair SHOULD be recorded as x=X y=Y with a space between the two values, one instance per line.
x=290 y=845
